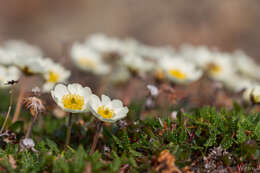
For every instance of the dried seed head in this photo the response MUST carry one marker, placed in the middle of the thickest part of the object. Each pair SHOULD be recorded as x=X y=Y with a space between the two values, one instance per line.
x=34 y=104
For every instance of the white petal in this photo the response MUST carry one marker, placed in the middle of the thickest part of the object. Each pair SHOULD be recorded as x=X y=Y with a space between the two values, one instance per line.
x=75 y=88
x=59 y=91
x=94 y=102
x=116 y=104
x=105 y=99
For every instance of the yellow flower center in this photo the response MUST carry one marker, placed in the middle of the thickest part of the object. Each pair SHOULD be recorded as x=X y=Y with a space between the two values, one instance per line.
x=53 y=77
x=73 y=101
x=105 y=112
x=86 y=62
x=177 y=74
x=214 y=68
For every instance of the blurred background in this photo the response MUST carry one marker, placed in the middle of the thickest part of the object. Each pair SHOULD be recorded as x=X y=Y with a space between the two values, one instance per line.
x=227 y=25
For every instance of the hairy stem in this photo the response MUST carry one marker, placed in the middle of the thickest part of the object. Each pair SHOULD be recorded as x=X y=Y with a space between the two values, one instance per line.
x=19 y=100
x=99 y=125
x=67 y=143
x=29 y=130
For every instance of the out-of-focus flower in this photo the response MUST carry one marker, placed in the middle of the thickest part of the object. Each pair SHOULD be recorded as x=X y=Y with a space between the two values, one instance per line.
x=30 y=65
x=200 y=55
x=236 y=83
x=34 y=105
x=155 y=52
x=8 y=74
x=179 y=70
x=6 y=58
x=220 y=66
x=19 y=48
x=72 y=98
x=137 y=64
x=246 y=65
x=106 y=109
x=104 y=44
x=120 y=75
x=247 y=94
x=55 y=73
x=88 y=59
x=255 y=94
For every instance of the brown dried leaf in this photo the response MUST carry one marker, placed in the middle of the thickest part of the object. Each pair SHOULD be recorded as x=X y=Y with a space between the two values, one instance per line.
x=166 y=163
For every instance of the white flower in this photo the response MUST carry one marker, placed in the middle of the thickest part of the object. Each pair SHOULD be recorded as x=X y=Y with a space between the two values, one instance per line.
x=247 y=94
x=120 y=75
x=55 y=73
x=72 y=98
x=30 y=65
x=236 y=83
x=136 y=63
x=106 y=109
x=21 y=48
x=178 y=70
x=8 y=74
x=246 y=65
x=155 y=52
x=200 y=55
x=220 y=66
x=255 y=94
x=87 y=59
x=6 y=58
x=103 y=43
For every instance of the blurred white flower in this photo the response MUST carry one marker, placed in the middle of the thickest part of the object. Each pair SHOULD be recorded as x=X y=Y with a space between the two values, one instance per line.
x=6 y=58
x=104 y=44
x=180 y=71
x=236 y=83
x=136 y=63
x=255 y=94
x=155 y=52
x=30 y=65
x=120 y=75
x=200 y=55
x=106 y=109
x=21 y=48
x=246 y=65
x=247 y=94
x=8 y=74
x=88 y=59
x=220 y=66
x=72 y=98
x=55 y=73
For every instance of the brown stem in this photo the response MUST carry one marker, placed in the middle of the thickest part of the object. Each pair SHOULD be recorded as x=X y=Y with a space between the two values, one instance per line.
x=29 y=130
x=99 y=125
x=67 y=143
x=19 y=100
x=9 y=109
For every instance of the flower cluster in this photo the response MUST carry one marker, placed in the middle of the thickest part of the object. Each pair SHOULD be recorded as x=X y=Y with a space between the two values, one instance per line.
x=236 y=71
x=16 y=56
x=75 y=99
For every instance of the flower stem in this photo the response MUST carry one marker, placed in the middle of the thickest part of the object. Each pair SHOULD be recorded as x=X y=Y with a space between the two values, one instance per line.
x=9 y=109
x=99 y=125
x=67 y=143
x=19 y=100
x=29 y=130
